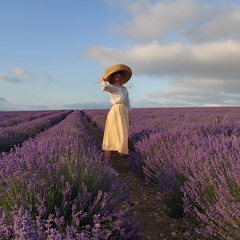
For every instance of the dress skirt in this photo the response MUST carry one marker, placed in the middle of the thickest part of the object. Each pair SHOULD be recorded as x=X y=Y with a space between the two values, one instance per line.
x=116 y=131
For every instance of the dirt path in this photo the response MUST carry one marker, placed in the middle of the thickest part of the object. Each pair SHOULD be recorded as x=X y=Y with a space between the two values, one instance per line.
x=146 y=203
x=147 y=206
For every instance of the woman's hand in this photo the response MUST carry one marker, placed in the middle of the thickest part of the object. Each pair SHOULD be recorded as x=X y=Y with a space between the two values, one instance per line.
x=102 y=79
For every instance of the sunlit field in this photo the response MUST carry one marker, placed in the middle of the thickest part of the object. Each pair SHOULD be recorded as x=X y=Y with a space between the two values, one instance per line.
x=54 y=183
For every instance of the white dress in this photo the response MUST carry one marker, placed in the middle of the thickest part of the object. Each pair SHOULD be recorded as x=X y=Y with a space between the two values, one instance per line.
x=117 y=123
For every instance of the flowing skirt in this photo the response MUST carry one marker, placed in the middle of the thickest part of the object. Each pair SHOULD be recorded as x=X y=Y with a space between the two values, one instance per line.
x=116 y=131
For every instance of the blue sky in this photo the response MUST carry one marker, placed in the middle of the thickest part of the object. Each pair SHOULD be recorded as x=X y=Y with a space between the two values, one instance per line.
x=182 y=52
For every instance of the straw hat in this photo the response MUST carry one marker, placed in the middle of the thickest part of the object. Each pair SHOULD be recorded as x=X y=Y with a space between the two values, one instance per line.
x=126 y=72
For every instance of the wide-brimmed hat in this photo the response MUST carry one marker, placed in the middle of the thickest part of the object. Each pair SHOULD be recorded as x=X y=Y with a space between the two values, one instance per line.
x=126 y=72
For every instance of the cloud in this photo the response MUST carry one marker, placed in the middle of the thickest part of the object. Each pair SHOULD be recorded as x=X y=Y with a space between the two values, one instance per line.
x=6 y=106
x=189 y=20
x=19 y=71
x=88 y=105
x=207 y=60
x=2 y=99
x=154 y=21
x=190 y=37
x=215 y=22
x=38 y=107
x=20 y=75
x=204 y=92
x=5 y=78
x=50 y=77
x=195 y=98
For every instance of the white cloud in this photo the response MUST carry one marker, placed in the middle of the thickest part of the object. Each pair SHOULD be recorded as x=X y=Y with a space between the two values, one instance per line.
x=205 y=92
x=208 y=60
x=188 y=96
x=214 y=23
x=19 y=71
x=187 y=20
x=153 y=21
x=200 y=71
x=210 y=28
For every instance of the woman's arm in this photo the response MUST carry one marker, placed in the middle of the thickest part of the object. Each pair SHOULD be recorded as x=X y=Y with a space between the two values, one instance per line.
x=106 y=86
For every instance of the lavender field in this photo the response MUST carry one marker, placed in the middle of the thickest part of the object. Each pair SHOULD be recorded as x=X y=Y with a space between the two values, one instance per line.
x=192 y=156
x=56 y=186
x=54 y=183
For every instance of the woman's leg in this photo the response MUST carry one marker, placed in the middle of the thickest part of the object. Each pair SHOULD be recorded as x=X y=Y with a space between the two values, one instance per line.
x=108 y=155
x=123 y=154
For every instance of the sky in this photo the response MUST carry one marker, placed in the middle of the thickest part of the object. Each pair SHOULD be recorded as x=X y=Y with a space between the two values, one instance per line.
x=183 y=53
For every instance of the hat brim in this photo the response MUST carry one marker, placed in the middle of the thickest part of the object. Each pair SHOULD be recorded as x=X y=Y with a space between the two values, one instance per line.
x=126 y=72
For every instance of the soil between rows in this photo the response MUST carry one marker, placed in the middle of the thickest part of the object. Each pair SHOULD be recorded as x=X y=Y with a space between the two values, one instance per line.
x=147 y=205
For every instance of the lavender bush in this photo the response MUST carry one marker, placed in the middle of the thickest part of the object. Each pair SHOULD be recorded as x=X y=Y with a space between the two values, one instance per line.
x=212 y=192
x=10 y=136
x=56 y=187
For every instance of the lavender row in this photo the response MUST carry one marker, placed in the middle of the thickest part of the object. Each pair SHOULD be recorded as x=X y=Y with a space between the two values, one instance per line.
x=11 y=136
x=12 y=118
x=199 y=177
x=191 y=155
x=97 y=116
x=56 y=187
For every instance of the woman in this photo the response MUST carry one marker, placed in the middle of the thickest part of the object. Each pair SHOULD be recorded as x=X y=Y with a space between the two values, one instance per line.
x=118 y=120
